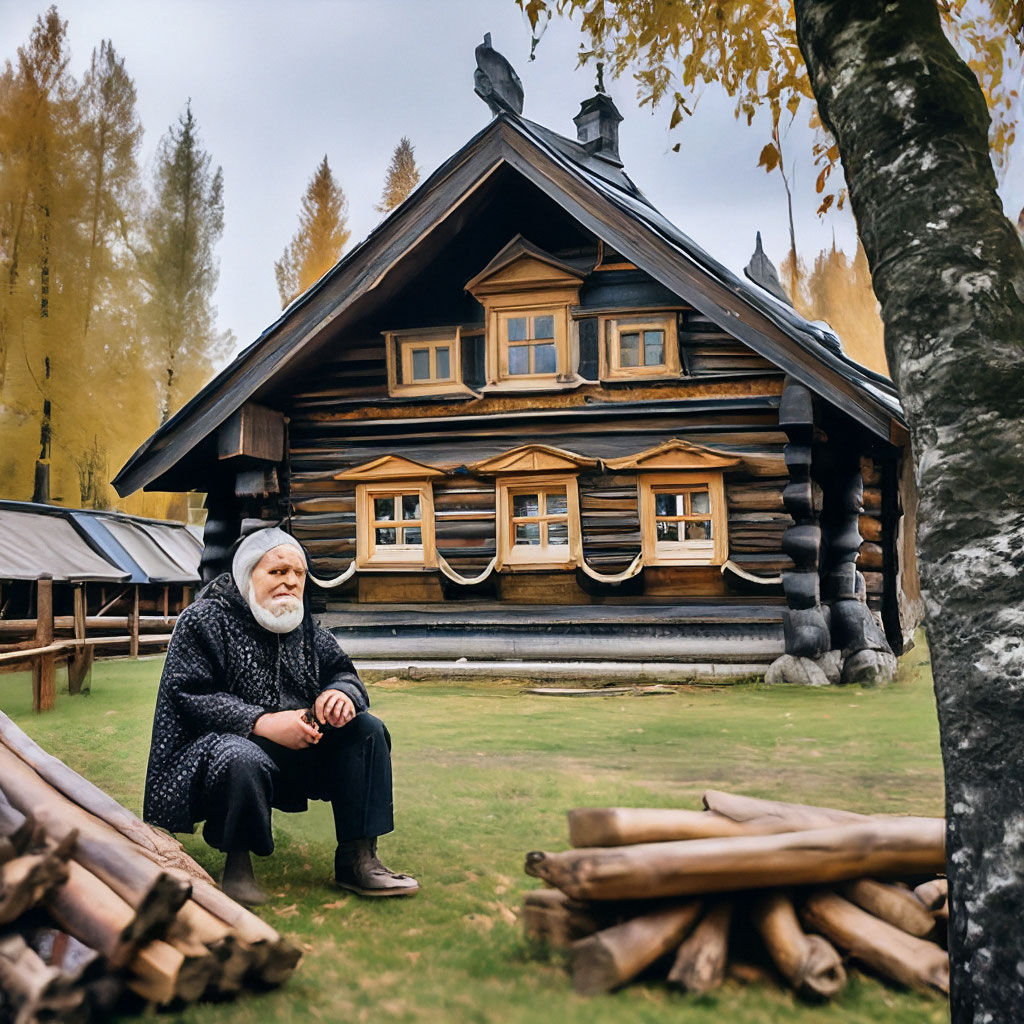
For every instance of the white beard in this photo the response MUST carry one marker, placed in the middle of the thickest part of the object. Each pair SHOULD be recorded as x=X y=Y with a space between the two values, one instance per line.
x=281 y=620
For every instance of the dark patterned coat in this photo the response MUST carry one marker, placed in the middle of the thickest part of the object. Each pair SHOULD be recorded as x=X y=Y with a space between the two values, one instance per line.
x=223 y=670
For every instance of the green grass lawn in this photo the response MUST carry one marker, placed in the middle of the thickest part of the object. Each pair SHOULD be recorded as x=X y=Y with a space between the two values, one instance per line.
x=483 y=774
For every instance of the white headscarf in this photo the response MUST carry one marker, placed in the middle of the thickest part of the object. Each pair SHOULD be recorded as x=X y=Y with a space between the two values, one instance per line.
x=247 y=557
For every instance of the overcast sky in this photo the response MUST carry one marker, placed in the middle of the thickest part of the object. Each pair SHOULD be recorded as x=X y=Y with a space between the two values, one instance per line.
x=276 y=85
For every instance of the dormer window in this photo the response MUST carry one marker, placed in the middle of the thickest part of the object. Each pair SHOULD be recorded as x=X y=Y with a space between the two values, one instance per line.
x=526 y=294
x=529 y=343
x=640 y=346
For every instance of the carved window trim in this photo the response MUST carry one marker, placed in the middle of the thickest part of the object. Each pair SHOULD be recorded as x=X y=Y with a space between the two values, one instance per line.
x=401 y=344
x=612 y=328
x=371 y=555
x=655 y=552
x=514 y=556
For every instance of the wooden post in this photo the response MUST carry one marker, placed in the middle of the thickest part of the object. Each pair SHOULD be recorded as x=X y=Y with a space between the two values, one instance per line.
x=80 y=662
x=186 y=595
x=44 y=668
x=134 y=624
x=167 y=598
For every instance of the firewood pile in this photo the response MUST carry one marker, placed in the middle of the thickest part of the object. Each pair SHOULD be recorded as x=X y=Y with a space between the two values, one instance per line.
x=99 y=910
x=720 y=891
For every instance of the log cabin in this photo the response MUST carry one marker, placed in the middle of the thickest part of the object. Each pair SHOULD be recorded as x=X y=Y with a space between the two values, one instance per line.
x=529 y=418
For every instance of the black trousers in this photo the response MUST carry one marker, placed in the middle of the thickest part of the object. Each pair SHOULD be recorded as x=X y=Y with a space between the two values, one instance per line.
x=350 y=766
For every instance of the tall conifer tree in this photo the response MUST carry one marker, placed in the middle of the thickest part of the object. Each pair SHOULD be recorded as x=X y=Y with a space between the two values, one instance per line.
x=323 y=232
x=178 y=266
x=402 y=177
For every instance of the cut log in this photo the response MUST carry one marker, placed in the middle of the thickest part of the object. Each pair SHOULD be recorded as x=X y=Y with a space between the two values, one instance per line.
x=886 y=949
x=235 y=959
x=612 y=957
x=28 y=880
x=790 y=817
x=893 y=847
x=546 y=918
x=808 y=962
x=161 y=974
x=32 y=991
x=274 y=957
x=149 y=889
x=626 y=826
x=933 y=894
x=95 y=915
x=167 y=850
x=17 y=828
x=892 y=903
x=700 y=963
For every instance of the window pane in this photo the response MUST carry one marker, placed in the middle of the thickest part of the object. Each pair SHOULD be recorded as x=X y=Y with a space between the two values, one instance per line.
x=410 y=506
x=543 y=327
x=700 y=502
x=386 y=537
x=525 y=505
x=654 y=348
x=528 y=533
x=421 y=364
x=629 y=349
x=383 y=509
x=517 y=328
x=413 y=535
x=669 y=531
x=557 y=504
x=443 y=357
x=558 y=534
x=665 y=505
x=698 y=531
x=519 y=359
x=543 y=358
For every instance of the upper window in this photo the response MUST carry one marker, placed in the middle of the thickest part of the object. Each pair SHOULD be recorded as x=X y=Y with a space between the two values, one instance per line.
x=530 y=342
x=526 y=294
x=683 y=519
x=640 y=346
x=421 y=362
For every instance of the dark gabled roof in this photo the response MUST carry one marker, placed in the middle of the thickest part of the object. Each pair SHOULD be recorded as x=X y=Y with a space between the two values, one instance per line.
x=604 y=200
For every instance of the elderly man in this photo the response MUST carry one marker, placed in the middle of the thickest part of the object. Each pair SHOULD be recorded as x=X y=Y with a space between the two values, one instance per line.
x=232 y=735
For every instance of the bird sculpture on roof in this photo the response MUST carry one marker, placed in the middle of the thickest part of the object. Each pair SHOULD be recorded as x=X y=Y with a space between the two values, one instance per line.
x=495 y=80
x=762 y=272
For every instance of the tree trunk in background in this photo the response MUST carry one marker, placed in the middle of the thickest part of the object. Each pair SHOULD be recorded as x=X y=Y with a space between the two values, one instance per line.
x=948 y=269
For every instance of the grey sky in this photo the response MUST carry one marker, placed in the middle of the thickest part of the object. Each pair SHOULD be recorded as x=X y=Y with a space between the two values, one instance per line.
x=274 y=86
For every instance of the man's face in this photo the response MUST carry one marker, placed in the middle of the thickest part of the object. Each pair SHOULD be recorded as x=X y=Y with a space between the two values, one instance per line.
x=279 y=579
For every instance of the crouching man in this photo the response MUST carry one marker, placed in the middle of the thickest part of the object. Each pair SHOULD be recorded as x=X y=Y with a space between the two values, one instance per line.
x=231 y=731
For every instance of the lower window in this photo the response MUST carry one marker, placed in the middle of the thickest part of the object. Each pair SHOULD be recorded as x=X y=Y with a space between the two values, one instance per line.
x=394 y=525
x=683 y=519
x=538 y=523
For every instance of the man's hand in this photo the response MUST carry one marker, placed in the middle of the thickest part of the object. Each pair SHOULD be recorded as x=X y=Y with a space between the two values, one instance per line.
x=287 y=728
x=335 y=708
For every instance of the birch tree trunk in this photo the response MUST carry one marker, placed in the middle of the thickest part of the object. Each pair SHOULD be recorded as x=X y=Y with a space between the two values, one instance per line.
x=948 y=269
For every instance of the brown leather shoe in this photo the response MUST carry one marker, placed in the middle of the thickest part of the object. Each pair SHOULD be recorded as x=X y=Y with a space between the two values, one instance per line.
x=358 y=869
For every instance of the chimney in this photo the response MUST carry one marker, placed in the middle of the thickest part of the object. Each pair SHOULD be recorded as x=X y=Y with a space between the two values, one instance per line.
x=597 y=127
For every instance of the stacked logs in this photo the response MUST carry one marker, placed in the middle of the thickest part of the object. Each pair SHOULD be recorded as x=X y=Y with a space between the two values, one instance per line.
x=694 y=890
x=98 y=909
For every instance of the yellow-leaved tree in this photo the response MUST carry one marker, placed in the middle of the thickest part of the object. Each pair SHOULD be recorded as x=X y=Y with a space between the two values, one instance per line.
x=320 y=239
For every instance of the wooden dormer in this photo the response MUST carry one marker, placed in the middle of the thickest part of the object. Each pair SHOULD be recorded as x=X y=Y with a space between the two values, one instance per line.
x=526 y=294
